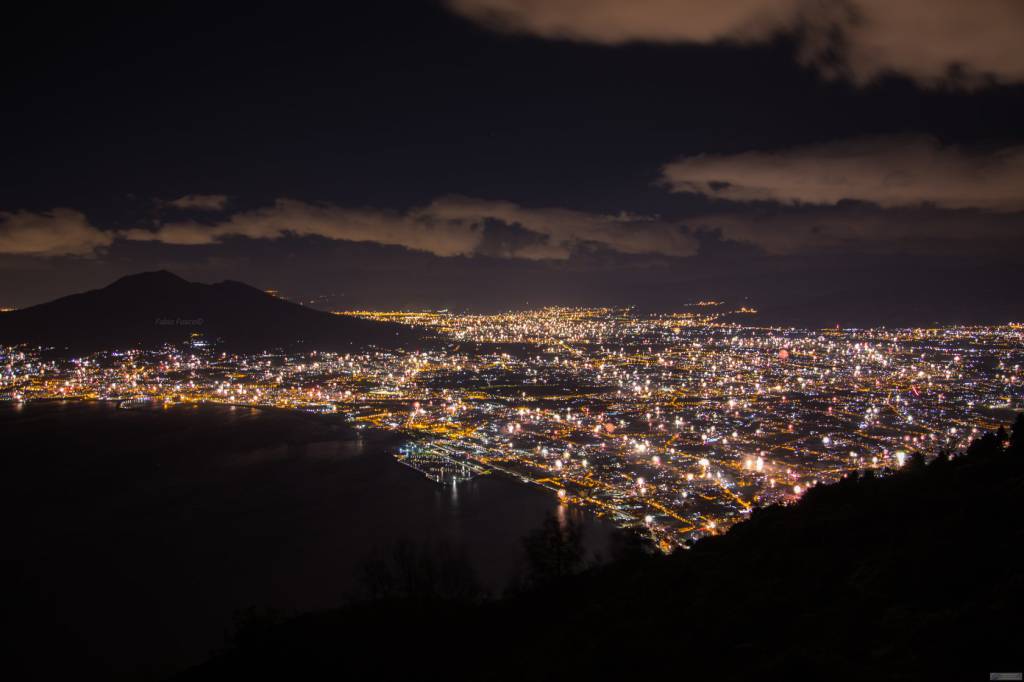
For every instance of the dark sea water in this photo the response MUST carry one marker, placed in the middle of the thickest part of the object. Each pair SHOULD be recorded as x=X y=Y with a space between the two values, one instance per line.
x=132 y=537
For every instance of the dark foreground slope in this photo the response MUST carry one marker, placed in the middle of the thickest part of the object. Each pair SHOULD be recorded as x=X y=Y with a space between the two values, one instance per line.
x=908 y=577
x=153 y=308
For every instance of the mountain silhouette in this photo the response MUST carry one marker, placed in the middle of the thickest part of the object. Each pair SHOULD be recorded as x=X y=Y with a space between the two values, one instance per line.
x=153 y=308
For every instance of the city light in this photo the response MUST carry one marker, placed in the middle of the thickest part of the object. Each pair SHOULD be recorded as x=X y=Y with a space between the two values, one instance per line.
x=684 y=417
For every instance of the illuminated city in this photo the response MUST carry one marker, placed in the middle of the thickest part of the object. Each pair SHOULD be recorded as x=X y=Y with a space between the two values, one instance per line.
x=677 y=425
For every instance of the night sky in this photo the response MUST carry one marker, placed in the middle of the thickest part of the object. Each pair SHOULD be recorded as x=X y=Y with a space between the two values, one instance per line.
x=849 y=161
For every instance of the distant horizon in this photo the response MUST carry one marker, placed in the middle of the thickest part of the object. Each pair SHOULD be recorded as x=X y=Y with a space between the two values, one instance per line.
x=791 y=315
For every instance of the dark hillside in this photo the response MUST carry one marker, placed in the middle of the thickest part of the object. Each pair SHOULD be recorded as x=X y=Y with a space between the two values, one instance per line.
x=904 y=577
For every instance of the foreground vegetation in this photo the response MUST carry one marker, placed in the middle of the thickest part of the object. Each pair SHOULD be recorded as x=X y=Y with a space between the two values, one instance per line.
x=901 y=577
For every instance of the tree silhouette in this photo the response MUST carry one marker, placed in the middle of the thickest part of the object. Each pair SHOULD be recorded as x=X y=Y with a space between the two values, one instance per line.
x=915 y=464
x=554 y=551
x=421 y=573
x=986 y=445
x=1017 y=435
x=625 y=544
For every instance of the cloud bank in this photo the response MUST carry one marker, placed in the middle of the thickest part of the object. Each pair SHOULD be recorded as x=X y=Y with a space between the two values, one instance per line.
x=887 y=171
x=970 y=42
x=58 y=232
x=458 y=226
x=450 y=226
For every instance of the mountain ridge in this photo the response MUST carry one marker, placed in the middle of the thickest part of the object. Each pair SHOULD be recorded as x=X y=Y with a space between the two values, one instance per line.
x=149 y=309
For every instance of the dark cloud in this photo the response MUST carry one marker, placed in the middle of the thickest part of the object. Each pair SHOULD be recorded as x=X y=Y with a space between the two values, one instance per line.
x=501 y=240
x=926 y=40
